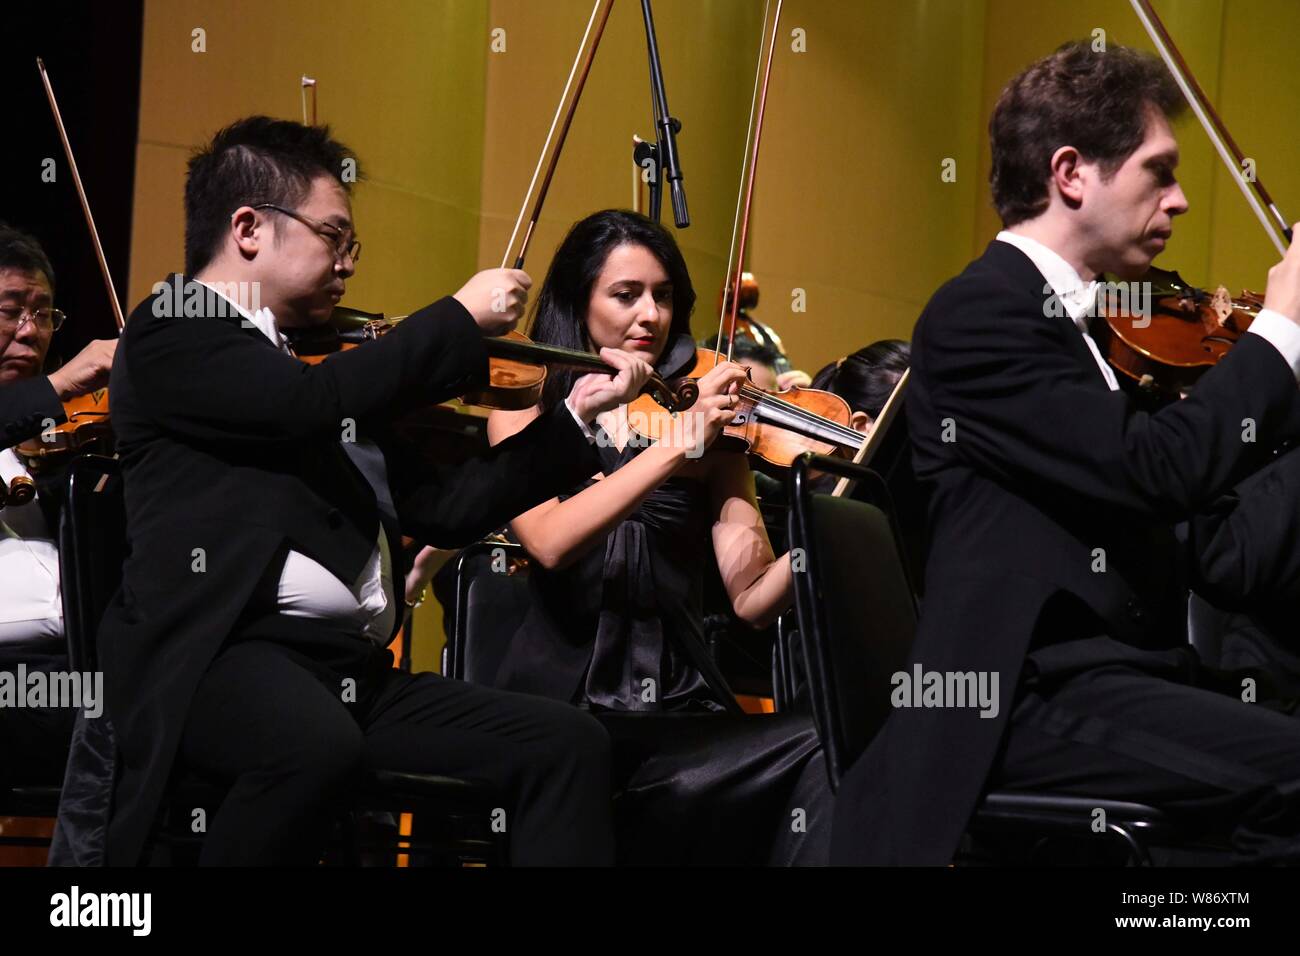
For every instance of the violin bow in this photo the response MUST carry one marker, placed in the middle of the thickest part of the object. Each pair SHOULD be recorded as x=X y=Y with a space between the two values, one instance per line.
x=563 y=118
x=1257 y=196
x=879 y=429
x=745 y=195
x=81 y=194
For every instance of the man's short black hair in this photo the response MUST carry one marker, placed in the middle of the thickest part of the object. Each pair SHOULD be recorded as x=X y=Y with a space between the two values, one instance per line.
x=20 y=251
x=255 y=160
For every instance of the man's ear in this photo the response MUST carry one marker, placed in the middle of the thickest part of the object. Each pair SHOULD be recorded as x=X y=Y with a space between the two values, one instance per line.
x=860 y=422
x=248 y=231
x=1067 y=175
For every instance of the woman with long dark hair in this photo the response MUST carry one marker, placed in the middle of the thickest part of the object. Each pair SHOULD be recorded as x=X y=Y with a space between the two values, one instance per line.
x=615 y=624
x=866 y=378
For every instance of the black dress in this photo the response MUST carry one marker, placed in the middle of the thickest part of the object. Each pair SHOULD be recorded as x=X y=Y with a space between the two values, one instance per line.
x=619 y=633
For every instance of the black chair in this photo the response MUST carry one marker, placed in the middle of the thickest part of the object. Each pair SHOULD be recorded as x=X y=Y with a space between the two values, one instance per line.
x=1206 y=627
x=789 y=693
x=92 y=550
x=451 y=816
x=490 y=602
x=857 y=616
x=865 y=587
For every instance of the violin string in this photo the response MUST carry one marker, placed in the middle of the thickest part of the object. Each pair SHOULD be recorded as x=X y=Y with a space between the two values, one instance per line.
x=760 y=398
x=822 y=429
x=733 y=284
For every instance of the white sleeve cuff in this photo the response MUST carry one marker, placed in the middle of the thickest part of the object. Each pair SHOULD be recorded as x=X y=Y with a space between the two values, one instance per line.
x=586 y=429
x=1282 y=334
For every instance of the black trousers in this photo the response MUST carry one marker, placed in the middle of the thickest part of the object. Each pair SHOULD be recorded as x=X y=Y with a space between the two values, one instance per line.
x=34 y=744
x=34 y=740
x=276 y=723
x=1156 y=728
x=709 y=789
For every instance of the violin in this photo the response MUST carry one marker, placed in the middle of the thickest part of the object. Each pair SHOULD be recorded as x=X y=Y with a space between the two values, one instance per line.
x=1186 y=333
x=517 y=366
x=86 y=429
x=774 y=427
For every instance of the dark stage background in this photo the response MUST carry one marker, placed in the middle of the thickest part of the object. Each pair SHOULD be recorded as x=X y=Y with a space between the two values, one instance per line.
x=92 y=53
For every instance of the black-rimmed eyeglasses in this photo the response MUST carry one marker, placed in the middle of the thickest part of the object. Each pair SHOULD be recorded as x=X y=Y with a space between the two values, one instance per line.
x=343 y=242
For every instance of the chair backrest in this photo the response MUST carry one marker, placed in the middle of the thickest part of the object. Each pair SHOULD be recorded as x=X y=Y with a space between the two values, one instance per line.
x=855 y=603
x=492 y=598
x=92 y=549
x=789 y=685
x=1206 y=627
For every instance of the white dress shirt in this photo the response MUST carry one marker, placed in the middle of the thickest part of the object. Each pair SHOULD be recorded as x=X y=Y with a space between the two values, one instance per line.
x=31 y=605
x=1078 y=298
x=306 y=588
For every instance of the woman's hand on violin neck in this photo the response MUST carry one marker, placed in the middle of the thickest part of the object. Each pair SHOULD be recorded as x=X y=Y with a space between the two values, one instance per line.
x=596 y=393
x=1283 y=293
x=725 y=378
x=86 y=371
x=702 y=423
x=496 y=298
x=691 y=432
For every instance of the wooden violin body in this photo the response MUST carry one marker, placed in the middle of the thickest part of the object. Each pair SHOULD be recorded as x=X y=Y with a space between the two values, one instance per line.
x=1187 y=331
x=87 y=429
x=776 y=428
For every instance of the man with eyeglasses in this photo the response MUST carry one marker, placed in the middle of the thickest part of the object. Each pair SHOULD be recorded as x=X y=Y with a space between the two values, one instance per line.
x=28 y=320
x=248 y=641
x=33 y=740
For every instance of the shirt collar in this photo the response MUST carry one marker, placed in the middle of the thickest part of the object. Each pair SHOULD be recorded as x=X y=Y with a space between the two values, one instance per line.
x=263 y=319
x=1074 y=294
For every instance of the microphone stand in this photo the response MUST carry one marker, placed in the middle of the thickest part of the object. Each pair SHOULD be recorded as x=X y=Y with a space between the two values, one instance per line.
x=662 y=155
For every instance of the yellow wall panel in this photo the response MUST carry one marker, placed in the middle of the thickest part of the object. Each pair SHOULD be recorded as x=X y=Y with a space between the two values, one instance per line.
x=1259 y=102
x=852 y=205
x=401 y=82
